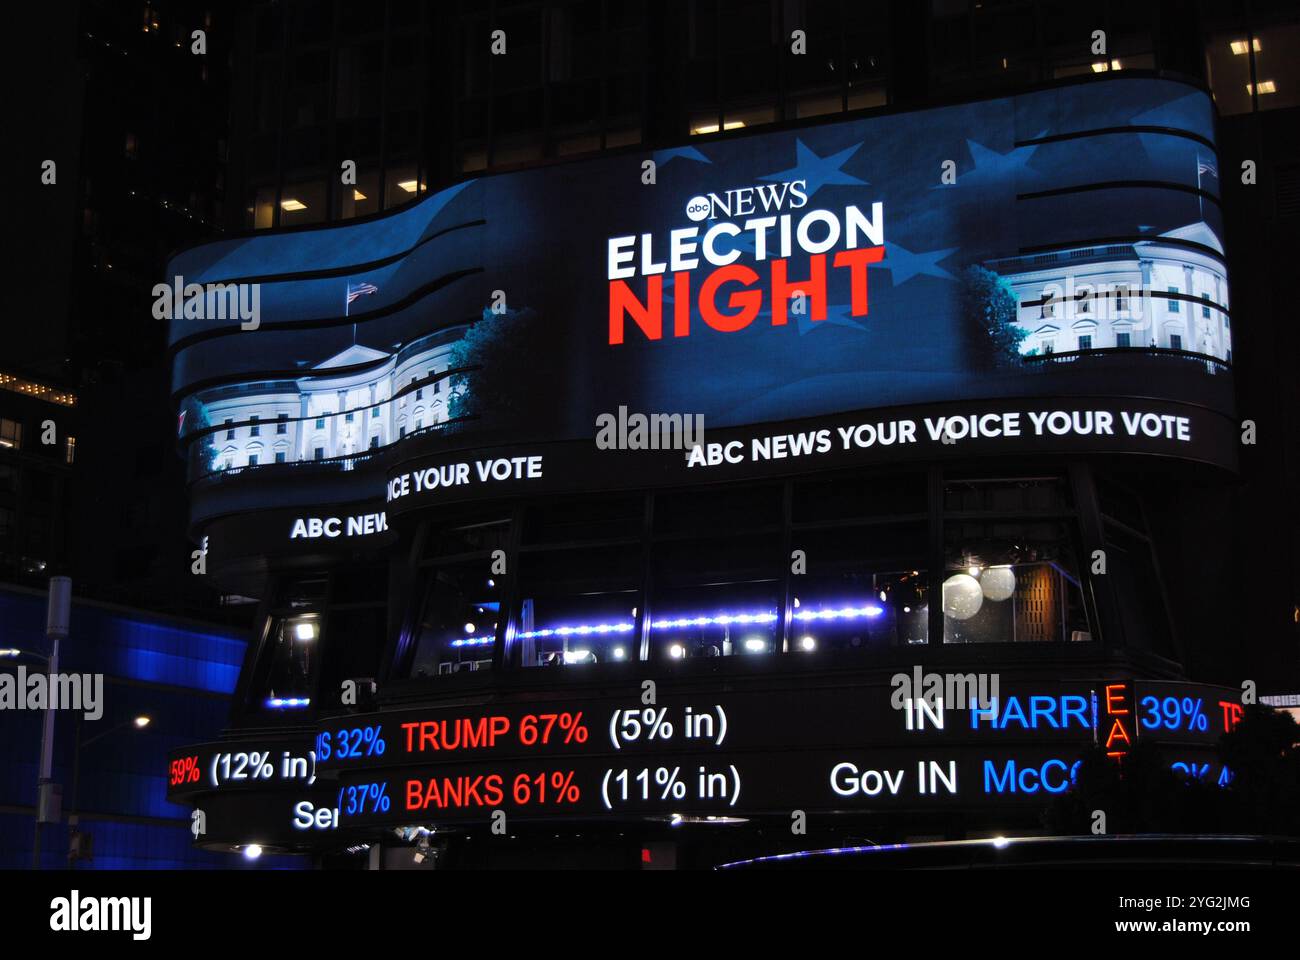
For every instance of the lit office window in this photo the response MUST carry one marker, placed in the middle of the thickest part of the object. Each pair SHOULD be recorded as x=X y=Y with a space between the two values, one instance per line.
x=1277 y=66
x=261 y=209
x=11 y=433
x=360 y=198
x=71 y=451
x=401 y=184
x=736 y=118
x=302 y=202
x=1273 y=51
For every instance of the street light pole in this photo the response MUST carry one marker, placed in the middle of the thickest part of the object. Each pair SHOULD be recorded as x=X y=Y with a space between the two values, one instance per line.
x=74 y=821
x=57 y=617
x=74 y=818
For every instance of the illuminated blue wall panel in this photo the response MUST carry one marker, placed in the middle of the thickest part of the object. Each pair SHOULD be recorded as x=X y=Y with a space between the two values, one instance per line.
x=180 y=675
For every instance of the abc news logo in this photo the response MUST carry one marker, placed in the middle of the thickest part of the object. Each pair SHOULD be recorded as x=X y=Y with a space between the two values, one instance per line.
x=699 y=208
x=743 y=201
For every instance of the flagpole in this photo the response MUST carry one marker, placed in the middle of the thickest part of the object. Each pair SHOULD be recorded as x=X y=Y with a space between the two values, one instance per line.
x=1200 y=201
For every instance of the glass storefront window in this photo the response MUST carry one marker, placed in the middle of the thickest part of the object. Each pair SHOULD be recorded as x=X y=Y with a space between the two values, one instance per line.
x=566 y=521
x=717 y=620
x=1143 y=615
x=574 y=630
x=732 y=508
x=1000 y=495
x=717 y=568
x=305 y=592
x=471 y=532
x=296 y=640
x=578 y=606
x=458 y=626
x=853 y=497
x=718 y=597
x=864 y=587
x=1011 y=582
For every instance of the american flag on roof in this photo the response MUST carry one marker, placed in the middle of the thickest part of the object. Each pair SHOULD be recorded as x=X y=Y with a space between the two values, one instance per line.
x=360 y=290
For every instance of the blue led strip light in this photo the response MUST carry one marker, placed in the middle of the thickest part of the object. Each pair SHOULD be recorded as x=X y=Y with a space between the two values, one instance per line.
x=722 y=619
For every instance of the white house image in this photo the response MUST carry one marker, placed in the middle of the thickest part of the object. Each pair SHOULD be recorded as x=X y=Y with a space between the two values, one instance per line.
x=1091 y=298
x=321 y=416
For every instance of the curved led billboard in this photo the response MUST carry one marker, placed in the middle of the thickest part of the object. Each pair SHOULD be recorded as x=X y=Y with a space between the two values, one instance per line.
x=1065 y=243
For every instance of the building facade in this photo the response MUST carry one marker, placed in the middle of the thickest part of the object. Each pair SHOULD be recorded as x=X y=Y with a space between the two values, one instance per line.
x=114 y=813
x=38 y=450
x=957 y=426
